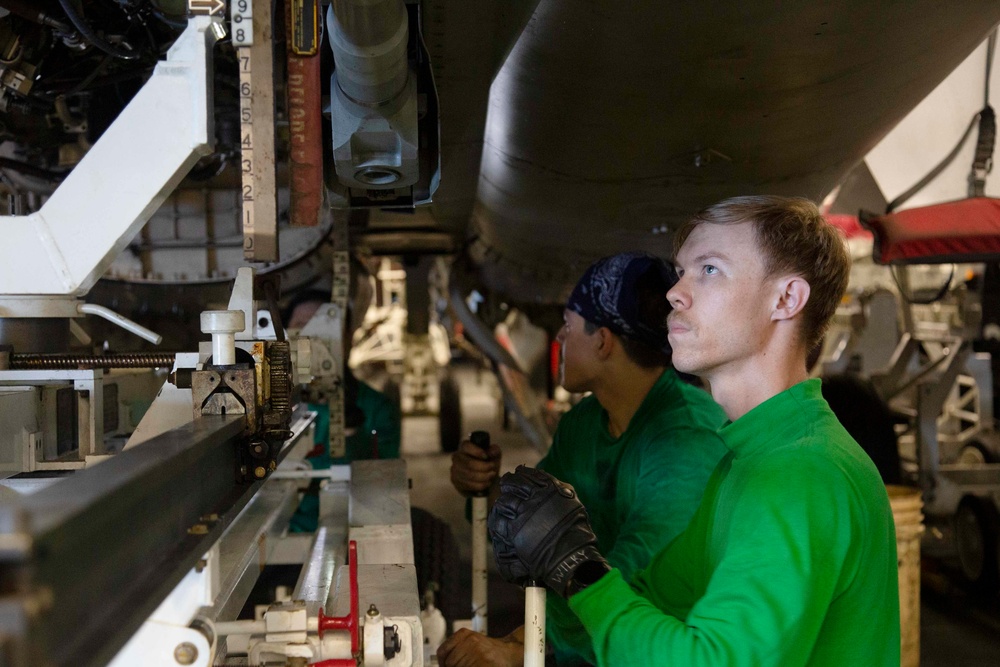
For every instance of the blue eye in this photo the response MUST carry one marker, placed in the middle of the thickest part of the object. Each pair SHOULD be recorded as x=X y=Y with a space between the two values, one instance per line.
x=710 y=270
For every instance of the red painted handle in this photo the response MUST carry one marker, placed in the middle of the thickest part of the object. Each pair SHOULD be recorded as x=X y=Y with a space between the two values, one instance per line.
x=349 y=622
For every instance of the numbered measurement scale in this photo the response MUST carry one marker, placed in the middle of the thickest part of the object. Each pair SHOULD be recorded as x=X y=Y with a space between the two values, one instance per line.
x=252 y=38
x=339 y=295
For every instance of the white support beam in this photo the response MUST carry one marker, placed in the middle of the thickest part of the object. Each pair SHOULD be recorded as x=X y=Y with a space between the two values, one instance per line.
x=103 y=203
x=926 y=135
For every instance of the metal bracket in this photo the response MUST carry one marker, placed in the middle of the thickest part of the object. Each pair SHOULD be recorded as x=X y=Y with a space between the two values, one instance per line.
x=164 y=130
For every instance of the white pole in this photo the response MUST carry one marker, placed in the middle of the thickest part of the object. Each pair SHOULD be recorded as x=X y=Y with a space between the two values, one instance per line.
x=120 y=320
x=534 y=626
x=479 y=547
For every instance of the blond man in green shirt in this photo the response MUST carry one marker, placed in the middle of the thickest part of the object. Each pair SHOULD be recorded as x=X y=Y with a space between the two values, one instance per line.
x=790 y=558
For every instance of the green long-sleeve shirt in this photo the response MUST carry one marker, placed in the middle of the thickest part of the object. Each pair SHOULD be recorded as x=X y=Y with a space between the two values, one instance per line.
x=789 y=560
x=380 y=416
x=640 y=489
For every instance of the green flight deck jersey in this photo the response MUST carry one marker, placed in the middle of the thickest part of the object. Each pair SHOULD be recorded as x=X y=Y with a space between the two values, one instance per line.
x=379 y=434
x=640 y=489
x=381 y=417
x=790 y=559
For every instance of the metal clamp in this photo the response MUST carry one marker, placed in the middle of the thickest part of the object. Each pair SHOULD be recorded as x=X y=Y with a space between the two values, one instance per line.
x=349 y=622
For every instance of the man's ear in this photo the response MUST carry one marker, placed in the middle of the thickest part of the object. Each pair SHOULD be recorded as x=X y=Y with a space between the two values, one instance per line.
x=605 y=342
x=792 y=296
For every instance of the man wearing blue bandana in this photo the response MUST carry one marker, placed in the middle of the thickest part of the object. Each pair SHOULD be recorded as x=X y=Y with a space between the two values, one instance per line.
x=639 y=450
x=790 y=560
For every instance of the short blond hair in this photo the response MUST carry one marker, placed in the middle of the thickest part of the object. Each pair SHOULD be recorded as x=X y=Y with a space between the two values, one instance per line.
x=794 y=239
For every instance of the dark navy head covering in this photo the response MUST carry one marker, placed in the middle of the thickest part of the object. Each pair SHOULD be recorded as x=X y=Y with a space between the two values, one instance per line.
x=607 y=296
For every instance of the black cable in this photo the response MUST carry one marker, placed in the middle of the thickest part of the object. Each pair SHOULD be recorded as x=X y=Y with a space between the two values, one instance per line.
x=984 y=145
x=88 y=33
x=163 y=18
x=87 y=80
x=991 y=47
x=109 y=80
x=49 y=84
x=25 y=10
x=909 y=298
x=933 y=173
x=982 y=161
x=30 y=169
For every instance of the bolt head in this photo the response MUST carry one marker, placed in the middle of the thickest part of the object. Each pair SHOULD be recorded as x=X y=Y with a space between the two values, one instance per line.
x=222 y=321
x=259 y=472
x=186 y=653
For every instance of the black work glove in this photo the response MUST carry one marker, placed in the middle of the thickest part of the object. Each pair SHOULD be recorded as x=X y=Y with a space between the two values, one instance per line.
x=540 y=531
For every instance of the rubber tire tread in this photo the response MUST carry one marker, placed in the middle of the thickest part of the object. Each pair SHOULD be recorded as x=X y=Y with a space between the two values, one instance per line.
x=436 y=558
x=988 y=519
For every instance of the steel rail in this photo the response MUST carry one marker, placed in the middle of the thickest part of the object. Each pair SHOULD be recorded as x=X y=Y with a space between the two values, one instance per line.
x=87 y=559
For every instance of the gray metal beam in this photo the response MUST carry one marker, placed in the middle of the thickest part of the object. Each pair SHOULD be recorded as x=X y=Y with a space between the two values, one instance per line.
x=85 y=561
x=246 y=547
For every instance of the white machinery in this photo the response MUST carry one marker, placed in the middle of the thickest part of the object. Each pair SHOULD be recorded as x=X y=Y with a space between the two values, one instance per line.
x=179 y=526
x=147 y=553
x=383 y=338
x=924 y=328
x=145 y=492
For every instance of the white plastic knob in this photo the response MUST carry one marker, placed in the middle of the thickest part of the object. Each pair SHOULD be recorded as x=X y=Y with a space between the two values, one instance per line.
x=223 y=325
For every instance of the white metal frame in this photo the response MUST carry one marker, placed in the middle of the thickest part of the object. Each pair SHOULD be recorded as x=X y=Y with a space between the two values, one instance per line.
x=63 y=248
x=88 y=386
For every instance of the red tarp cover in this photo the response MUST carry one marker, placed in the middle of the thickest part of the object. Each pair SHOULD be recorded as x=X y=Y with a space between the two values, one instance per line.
x=849 y=225
x=958 y=231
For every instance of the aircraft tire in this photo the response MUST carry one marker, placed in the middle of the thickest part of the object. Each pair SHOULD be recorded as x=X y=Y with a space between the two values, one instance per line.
x=436 y=560
x=976 y=528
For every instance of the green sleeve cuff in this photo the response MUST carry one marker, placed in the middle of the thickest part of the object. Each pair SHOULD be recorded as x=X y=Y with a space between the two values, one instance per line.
x=599 y=600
